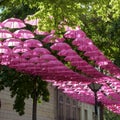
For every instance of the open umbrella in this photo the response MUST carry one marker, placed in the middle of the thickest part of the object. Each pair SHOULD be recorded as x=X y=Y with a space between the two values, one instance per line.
x=32 y=43
x=13 y=23
x=12 y=42
x=40 y=51
x=23 y=34
x=20 y=49
x=33 y=22
x=38 y=32
x=5 y=50
x=5 y=33
x=60 y=46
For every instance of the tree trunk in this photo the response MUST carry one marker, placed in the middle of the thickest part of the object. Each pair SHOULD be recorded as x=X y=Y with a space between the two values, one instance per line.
x=34 y=112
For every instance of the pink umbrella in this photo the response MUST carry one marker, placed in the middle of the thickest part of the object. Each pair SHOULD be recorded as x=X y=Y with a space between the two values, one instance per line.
x=78 y=62
x=48 y=57
x=54 y=63
x=38 y=32
x=40 y=51
x=13 y=23
x=17 y=60
x=78 y=33
x=60 y=46
x=68 y=52
x=49 y=39
x=32 y=43
x=19 y=65
x=34 y=60
x=12 y=42
x=97 y=58
x=20 y=49
x=93 y=53
x=81 y=41
x=49 y=65
x=33 y=22
x=5 y=58
x=59 y=39
x=5 y=50
x=23 y=34
x=27 y=55
x=70 y=34
x=72 y=58
x=102 y=62
x=5 y=33
x=87 y=48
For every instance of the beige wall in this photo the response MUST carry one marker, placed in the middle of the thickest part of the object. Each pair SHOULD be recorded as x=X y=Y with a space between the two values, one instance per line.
x=81 y=108
x=45 y=110
x=90 y=111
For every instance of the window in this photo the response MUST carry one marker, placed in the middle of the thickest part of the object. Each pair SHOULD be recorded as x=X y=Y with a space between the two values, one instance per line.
x=79 y=114
x=74 y=113
x=86 y=114
x=74 y=110
x=93 y=115
x=68 y=109
x=61 y=113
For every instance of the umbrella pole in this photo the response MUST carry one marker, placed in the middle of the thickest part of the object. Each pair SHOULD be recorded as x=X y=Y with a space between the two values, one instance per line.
x=34 y=112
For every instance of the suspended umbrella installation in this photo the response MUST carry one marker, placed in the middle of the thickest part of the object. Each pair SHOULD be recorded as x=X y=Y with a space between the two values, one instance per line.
x=45 y=58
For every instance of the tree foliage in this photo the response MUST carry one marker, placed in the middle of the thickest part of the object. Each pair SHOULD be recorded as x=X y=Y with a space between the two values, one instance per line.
x=21 y=11
x=108 y=115
x=21 y=87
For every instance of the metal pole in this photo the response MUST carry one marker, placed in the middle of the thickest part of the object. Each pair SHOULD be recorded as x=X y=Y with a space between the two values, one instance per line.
x=96 y=111
x=34 y=112
x=95 y=87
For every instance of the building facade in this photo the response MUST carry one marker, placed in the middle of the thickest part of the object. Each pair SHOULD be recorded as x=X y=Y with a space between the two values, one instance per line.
x=59 y=107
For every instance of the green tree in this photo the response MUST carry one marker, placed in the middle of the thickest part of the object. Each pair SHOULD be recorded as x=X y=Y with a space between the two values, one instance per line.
x=21 y=11
x=108 y=115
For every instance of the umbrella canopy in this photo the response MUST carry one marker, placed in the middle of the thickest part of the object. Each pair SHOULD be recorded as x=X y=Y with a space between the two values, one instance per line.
x=13 y=23
x=32 y=43
x=71 y=67
x=23 y=34
x=33 y=22
x=5 y=50
x=5 y=33
x=12 y=42
x=38 y=32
